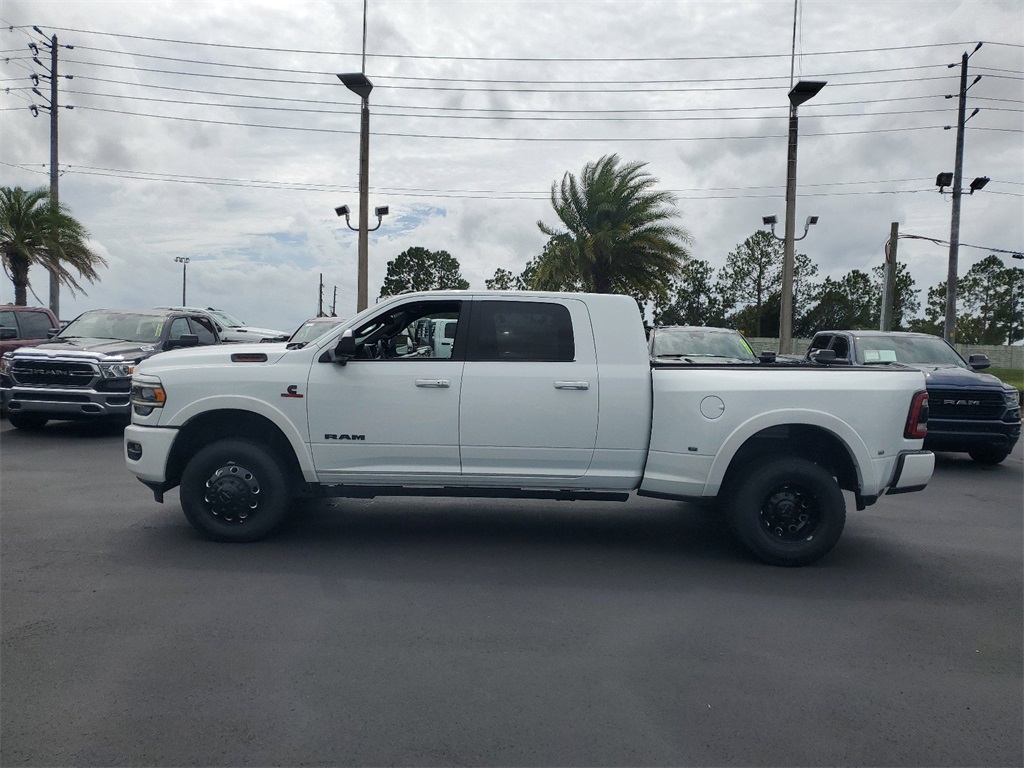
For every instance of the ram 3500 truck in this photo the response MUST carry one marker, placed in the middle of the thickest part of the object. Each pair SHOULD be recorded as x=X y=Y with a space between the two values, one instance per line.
x=540 y=395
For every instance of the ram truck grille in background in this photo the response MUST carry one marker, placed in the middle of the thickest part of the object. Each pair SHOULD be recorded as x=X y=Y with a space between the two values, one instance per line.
x=52 y=373
x=965 y=404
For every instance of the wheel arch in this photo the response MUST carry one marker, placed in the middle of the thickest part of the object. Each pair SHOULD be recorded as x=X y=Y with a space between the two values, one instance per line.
x=823 y=440
x=210 y=426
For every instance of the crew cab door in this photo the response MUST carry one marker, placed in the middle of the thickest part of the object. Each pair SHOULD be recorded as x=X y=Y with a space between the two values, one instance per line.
x=529 y=390
x=392 y=411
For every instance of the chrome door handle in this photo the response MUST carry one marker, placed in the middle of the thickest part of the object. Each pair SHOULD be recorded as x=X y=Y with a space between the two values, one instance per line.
x=433 y=383
x=572 y=385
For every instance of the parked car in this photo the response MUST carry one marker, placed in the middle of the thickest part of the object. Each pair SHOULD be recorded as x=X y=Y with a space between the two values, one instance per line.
x=231 y=329
x=969 y=411
x=84 y=371
x=25 y=326
x=703 y=345
x=310 y=330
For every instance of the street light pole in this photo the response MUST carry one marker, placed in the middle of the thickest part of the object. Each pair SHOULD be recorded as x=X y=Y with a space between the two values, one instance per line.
x=359 y=84
x=801 y=92
x=183 y=260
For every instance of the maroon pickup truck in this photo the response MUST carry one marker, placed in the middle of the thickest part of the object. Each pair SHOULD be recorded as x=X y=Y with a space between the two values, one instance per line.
x=25 y=326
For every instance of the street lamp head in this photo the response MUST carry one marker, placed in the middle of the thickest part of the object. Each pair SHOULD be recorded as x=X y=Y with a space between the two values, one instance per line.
x=358 y=83
x=380 y=210
x=770 y=220
x=182 y=259
x=943 y=180
x=979 y=183
x=341 y=210
x=811 y=220
x=804 y=91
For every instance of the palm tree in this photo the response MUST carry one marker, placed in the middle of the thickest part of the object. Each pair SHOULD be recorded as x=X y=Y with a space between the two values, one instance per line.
x=32 y=233
x=616 y=238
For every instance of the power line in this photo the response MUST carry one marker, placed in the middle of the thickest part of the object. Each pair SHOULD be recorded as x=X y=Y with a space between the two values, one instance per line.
x=513 y=59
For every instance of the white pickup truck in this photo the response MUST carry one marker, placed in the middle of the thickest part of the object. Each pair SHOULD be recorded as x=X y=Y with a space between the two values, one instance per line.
x=540 y=395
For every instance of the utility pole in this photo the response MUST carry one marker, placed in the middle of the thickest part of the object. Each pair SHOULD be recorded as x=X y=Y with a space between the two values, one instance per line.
x=889 y=279
x=320 y=294
x=334 y=303
x=949 y=331
x=53 y=107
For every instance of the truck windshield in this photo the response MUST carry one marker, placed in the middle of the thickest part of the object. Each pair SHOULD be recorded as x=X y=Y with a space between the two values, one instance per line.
x=687 y=343
x=124 y=326
x=914 y=350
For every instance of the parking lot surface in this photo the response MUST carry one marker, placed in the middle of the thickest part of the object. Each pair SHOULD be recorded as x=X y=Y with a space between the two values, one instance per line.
x=468 y=632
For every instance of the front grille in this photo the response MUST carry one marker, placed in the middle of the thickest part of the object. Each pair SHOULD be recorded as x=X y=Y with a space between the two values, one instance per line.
x=966 y=404
x=52 y=373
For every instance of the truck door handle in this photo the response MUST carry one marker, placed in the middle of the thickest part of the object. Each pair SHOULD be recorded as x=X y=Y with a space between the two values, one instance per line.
x=433 y=383
x=572 y=385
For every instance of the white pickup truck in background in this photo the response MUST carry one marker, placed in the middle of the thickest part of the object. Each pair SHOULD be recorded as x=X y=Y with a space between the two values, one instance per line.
x=539 y=395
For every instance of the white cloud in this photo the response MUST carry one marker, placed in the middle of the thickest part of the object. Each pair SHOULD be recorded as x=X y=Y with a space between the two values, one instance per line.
x=261 y=229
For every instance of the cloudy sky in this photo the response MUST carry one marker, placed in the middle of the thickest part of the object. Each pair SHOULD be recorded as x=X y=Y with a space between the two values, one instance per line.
x=218 y=131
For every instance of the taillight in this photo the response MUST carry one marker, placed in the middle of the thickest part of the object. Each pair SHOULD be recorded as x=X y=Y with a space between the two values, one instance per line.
x=917 y=419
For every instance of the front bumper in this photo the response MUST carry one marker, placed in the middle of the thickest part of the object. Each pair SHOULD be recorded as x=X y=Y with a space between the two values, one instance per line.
x=959 y=436
x=66 y=403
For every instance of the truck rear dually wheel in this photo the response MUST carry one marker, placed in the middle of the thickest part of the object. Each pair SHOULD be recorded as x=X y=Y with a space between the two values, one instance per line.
x=234 y=490
x=787 y=511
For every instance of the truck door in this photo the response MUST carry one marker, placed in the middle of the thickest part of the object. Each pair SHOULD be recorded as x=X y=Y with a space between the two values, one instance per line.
x=391 y=412
x=529 y=390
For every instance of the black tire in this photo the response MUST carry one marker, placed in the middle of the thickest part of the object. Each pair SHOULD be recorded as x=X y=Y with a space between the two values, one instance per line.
x=234 y=490
x=989 y=456
x=787 y=511
x=27 y=421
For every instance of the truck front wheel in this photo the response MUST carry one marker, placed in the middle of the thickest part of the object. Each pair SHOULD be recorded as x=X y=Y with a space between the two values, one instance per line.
x=989 y=455
x=787 y=511
x=234 y=490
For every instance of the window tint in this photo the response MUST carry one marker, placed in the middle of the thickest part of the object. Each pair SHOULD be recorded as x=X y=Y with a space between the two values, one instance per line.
x=34 y=325
x=841 y=347
x=7 y=321
x=522 y=330
x=179 y=328
x=203 y=328
x=424 y=330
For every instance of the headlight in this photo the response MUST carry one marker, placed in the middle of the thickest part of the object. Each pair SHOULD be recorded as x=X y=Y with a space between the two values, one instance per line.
x=117 y=370
x=147 y=397
x=5 y=363
x=1012 y=397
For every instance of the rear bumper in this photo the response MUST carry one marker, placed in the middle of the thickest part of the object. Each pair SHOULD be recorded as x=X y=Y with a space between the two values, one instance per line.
x=913 y=471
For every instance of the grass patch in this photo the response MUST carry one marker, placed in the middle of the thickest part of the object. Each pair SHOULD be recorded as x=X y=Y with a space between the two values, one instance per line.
x=1012 y=376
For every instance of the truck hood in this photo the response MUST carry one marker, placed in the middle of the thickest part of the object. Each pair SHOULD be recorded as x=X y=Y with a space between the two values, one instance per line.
x=955 y=376
x=250 y=330
x=94 y=349
x=215 y=355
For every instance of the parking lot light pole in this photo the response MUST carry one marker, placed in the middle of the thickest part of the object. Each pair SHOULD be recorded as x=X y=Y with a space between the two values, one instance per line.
x=801 y=92
x=183 y=260
x=359 y=84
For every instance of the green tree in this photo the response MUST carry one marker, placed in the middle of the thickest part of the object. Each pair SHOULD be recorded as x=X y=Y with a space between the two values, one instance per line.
x=751 y=283
x=984 y=291
x=417 y=269
x=616 y=234
x=33 y=233
x=693 y=299
x=504 y=280
x=852 y=302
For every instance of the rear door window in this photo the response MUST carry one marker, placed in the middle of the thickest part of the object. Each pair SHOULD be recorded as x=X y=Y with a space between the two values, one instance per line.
x=521 y=330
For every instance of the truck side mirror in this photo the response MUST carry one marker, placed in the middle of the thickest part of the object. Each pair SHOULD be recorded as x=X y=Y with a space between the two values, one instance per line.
x=767 y=356
x=51 y=332
x=343 y=351
x=8 y=333
x=824 y=356
x=185 y=340
x=979 y=362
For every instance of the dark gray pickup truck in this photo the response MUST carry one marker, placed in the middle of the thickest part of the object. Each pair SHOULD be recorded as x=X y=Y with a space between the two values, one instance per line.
x=969 y=411
x=84 y=371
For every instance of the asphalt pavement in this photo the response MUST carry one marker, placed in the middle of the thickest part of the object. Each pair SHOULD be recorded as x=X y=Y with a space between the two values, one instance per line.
x=433 y=632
